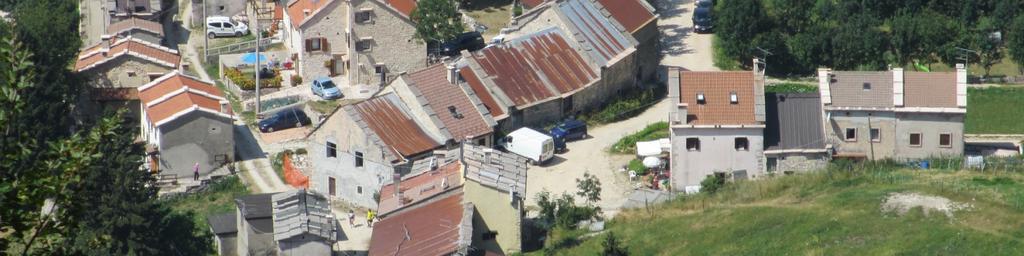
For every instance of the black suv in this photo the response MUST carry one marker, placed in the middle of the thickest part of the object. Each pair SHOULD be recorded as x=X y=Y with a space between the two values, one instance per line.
x=284 y=119
x=471 y=41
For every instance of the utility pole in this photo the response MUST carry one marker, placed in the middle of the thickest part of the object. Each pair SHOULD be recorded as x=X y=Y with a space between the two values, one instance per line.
x=206 y=37
x=257 y=67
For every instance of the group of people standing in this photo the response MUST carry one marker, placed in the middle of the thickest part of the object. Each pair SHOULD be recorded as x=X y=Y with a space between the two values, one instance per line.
x=370 y=216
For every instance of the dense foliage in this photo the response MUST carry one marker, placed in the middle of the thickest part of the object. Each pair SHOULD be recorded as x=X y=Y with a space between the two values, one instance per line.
x=70 y=186
x=802 y=35
x=436 y=20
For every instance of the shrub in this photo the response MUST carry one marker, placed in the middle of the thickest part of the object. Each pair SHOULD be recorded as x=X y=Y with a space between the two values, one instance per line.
x=247 y=81
x=653 y=131
x=517 y=10
x=612 y=246
x=790 y=87
x=637 y=166
x=712 y=183
x=301 y=151
x=296 y=80
x=626 y=106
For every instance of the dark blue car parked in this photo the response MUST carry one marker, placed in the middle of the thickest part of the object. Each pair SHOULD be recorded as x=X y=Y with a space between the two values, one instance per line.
x=288 y=118
x=568 y=130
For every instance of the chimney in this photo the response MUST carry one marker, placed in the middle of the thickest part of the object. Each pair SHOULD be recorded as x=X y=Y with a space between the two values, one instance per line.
x=433 y=163
x=452 y=74
x=897 y=87
x=225 y=107
x=824 y=79
x=759 y=68
x=961 y=86
x=305 y=13
x=398 y=187
x=677 y=113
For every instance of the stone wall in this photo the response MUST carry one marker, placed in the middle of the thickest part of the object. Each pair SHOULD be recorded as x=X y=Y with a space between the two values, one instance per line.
x=495 y=213
x=930 y=126
x=391 y=45
x=199 y=137
x=329 y=23
x=798 y=162
x=648 y=55
x=352 y=184
x=841 y=120
x=115 y=73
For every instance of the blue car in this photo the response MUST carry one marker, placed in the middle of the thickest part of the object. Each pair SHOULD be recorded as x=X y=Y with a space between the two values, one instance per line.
x=284 y=119
x=568 y=130
x=326 y=89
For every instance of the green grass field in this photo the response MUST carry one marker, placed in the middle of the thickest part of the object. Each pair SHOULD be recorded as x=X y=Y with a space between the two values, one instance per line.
x=219 y=198
x=828 y=213
x=627 y=144
x=995 y=110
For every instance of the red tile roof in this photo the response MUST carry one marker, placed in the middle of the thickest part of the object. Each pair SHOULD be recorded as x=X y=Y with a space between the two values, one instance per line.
x=419 y=187
x=175 y=93
x=403 y=6
x=521 y=67
x=135 y=23
x=532 y=3
x=717 y=87
x=443 y=97
x=929 y=89
x=481 y=92
x=96 y=55
x=432 y=229
x=296 y=9
x=632 y=14
x=395 y=128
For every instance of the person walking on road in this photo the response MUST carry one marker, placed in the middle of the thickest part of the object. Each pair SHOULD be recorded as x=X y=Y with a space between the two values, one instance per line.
x=369 y=218
x=351 y=218
x=195 y=172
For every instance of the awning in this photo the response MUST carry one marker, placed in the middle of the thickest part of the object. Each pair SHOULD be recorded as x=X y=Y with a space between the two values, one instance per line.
x=652 y=148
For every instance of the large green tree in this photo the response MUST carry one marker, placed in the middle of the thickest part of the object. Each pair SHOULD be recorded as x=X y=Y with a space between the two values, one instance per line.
x=737 y=23
x=436 y=20
x=1015 y=40
x=921 y=36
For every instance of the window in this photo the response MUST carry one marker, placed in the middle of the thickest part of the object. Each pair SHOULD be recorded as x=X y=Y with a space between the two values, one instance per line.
x=215 y=24
x=876 y=135
x=700 y=98
x=693 y=144
x=946 y=140
x=915 y=139
x=314 y=44
x=131 y=73
x=867 y=86
x=359 y=159
x=363 y=16
x=331 y=185
x=739 y=175
x=359 y=190
x=742 y=144
x=363 y=45
x=733 y=98
x=332 y=149
x=154 y=76
x=773 y=164
x=228 y=25
x=377 y=69
x=489 y=235
x=851 y=134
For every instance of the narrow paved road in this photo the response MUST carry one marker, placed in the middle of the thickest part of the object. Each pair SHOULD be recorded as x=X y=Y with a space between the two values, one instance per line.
x=680 y=47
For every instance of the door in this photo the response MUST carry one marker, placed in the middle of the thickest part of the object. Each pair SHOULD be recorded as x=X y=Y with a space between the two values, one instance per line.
x=229 y=29
x=213 y=27
x=331 y=186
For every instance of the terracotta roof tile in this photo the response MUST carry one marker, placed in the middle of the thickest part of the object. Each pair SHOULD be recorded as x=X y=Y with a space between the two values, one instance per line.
x=174 y=93
x=403 y=6
x=127 y=47
x=419 y=187
x=535 y=68
x=532 y=3
x=135 y=23
x=432 y=229
x=481 y=92
x=929 y=89
x=444 y=97
x=393 y=125
x=632 y=14
x=717 y=87
x=297 y=8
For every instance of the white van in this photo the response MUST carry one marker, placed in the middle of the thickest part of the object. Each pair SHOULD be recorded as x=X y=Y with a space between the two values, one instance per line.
x=529 y=143
x=224 y=26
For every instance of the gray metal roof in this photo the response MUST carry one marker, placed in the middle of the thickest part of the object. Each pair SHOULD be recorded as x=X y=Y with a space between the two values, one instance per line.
x=601 y=38
x=223 y=223
x=794 y=121
x=848 y=89
x=302 y=212
x=495 y=169
x=255 y=206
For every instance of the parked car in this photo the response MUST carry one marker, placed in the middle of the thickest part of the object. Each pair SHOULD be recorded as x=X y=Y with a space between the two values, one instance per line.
x=325 y=88
x=702 y=20
x=223 y=26
x=471 y=41
x=531 y=144
x=568 y=130
x=705 y=3
x=284 y=119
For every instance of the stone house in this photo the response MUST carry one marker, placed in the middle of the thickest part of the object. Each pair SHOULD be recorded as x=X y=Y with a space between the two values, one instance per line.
x=115 y=67
x=794 y=138
x=381 y=43
x=443 y=103
x=186 y=121
x=894 y=114
x=532 y=80
x=149 y=31
x=316 y=31
x=360 y=147
x=488 y=184
x=296 y=222
x=717 y=126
